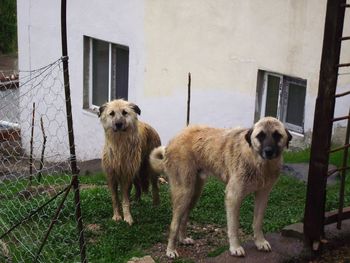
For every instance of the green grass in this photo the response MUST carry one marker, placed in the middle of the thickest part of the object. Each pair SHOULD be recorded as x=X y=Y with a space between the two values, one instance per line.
x=118 y=242
x=303 y=156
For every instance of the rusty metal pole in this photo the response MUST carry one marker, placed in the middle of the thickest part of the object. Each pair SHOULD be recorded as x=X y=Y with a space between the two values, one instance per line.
x=188 y=99
x=322 y=128
x=73 y=160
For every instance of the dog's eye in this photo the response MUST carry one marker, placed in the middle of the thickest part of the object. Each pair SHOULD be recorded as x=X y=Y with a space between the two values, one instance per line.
x=261 y=136
x=124 y=112
x=112 y=113
x=277 y=136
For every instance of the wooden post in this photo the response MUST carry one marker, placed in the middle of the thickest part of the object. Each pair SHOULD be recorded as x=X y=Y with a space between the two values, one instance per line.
x=73 y=160
x=322 y=128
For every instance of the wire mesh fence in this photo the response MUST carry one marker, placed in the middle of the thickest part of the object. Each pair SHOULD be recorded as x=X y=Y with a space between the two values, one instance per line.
x=37 y=208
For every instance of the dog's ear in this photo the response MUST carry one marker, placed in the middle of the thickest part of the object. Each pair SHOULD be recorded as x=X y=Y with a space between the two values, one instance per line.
x=289 y=137
x=101 y=109
x=135 y=108
x=248 y=135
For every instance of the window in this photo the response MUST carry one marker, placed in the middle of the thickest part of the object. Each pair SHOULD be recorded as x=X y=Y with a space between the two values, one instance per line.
x=282 y=97
x=106 y=72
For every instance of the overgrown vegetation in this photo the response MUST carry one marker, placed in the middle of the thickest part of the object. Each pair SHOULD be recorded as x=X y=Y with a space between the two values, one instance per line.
x=8 y=26
x=108 y=241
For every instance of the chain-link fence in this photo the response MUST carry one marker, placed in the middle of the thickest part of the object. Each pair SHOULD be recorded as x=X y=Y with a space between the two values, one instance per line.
x=37 y=208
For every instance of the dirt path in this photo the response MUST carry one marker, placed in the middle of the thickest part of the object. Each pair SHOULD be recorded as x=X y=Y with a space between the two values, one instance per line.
x=208 y=239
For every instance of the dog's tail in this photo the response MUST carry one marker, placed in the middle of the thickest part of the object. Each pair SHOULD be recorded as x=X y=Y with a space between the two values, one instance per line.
x=156 y=159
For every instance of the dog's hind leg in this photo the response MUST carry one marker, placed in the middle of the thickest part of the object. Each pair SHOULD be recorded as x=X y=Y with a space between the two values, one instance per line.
x=138 y=190
x=155 y=188
x=181 y=199
x=148 y=175
x=261 y=198
x=183 y=239
x=113 y=187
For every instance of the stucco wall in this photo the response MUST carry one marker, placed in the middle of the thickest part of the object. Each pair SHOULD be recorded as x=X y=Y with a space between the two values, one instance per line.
x=222 y=43
x=118 y=22
x=38 y=46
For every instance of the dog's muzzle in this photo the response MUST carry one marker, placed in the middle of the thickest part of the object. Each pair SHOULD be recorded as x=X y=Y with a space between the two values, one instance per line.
x=118 y=126
x=268 y=153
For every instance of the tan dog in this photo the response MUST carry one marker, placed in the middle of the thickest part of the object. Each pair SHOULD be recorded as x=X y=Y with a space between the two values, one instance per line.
x=125 y=158
x=247 y=160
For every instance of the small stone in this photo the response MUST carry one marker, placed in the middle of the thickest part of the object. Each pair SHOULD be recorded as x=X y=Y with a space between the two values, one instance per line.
x=145 y=259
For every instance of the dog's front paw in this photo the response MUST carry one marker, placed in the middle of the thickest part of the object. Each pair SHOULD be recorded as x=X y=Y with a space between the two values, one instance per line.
x=116 y=218
x=172 y=253
x=263 y=245
x=237 y=251
x=187 y=241
x=161 y=180
x=129 y=220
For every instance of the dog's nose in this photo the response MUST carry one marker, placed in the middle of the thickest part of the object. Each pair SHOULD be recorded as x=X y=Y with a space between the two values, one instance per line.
x=119 y=125
x=268 y=152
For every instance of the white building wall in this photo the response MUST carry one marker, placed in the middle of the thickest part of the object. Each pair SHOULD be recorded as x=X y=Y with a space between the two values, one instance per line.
x=38 y=46
x=222 y=43
x=114 y=21
x=119 y=22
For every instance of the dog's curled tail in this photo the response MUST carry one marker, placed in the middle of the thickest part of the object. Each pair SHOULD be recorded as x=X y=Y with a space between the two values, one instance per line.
x=156 y=159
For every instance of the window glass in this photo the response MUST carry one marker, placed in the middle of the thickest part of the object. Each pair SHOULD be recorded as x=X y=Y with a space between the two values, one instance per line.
x=120 y=72
x=272 y=94
x=100 y=74
x=296 y=104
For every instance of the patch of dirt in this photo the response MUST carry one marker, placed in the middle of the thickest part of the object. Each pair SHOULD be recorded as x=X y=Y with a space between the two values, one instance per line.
x=91 y=186
x=33 y=191
x=207 y=239
x=4 y=249
x=95 y=229
x=17 y=167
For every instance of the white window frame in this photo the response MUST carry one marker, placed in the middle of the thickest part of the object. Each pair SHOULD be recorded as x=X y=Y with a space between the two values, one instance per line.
x=118 y=72
x=282 y=99
x=91 y=105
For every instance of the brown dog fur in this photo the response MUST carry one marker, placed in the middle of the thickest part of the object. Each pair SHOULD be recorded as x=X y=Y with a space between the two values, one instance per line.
x=247 y=160
x=125 y=158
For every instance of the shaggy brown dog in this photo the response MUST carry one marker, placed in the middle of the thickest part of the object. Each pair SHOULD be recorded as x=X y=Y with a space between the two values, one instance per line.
x=125 y=158
x=247 y=160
